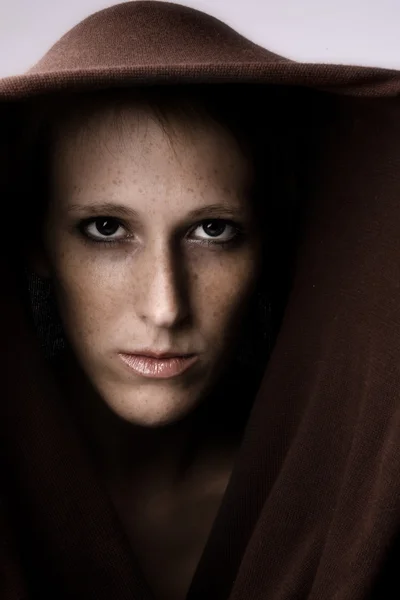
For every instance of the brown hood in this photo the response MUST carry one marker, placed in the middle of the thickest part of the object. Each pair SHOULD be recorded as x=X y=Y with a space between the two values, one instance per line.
x=312 y=510
x=160 y=42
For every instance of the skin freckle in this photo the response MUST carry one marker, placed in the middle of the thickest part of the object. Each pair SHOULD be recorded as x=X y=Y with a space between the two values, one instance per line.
x=146 y=291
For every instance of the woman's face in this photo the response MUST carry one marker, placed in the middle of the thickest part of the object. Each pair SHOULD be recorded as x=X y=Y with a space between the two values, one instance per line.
x=152 y=248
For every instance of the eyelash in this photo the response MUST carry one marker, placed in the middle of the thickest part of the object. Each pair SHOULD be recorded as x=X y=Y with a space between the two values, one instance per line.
x=238 y=233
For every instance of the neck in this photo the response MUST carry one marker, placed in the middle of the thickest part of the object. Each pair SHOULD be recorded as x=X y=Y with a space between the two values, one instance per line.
x=115 y=444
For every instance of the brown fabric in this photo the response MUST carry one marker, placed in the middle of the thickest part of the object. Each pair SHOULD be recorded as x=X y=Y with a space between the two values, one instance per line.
x=312 y=509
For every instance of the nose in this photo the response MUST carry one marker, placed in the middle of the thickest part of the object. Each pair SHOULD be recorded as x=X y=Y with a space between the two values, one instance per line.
x=162 y=297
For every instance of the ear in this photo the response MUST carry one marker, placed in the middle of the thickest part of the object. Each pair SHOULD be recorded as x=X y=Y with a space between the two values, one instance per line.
x=41 y=268
x=38 y=261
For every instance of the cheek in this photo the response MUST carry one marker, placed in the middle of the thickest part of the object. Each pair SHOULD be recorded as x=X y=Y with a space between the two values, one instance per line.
x=96 y=291
x=224 y=286
x=89 y=293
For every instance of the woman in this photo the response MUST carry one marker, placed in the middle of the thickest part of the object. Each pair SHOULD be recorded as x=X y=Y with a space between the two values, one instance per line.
x=151 y=247
x=206 y=404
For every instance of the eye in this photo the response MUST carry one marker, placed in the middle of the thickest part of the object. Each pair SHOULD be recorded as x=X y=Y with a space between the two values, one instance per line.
x=103 y=229
x=216 y=231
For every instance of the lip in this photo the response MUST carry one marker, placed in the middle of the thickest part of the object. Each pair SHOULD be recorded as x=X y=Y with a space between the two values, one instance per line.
x=158 y=366
x=157 y=354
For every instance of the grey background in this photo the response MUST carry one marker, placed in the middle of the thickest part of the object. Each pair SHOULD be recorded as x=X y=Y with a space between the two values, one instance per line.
x=365 y=32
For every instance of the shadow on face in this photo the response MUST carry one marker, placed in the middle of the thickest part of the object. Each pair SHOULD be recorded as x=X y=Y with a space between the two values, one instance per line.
x=152 y=247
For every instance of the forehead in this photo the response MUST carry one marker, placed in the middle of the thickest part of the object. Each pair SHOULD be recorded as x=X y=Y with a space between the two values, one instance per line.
x=129 y=144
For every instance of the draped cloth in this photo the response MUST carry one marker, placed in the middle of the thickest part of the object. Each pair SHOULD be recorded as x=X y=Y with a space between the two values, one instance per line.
x=312 y=509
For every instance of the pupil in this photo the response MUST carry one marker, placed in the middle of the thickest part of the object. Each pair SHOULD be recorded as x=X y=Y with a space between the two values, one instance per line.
x=214 y=228
x=106 y=226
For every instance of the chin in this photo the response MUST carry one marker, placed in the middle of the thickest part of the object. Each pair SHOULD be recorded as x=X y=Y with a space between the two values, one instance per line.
x=145 y=411
x=155 y=419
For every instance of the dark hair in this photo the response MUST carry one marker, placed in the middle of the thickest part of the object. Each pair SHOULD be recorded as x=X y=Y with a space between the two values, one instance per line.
x=251 y=119
x=192 y=103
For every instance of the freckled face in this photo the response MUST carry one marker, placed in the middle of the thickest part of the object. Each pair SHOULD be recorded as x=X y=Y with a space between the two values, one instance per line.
x=150 y=245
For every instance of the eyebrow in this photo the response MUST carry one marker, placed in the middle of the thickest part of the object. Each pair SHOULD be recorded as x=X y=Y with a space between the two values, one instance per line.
x=104 y=208
x=121 y=210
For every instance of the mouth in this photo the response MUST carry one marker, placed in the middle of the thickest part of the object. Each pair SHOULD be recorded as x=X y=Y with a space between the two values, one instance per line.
x=158 y=366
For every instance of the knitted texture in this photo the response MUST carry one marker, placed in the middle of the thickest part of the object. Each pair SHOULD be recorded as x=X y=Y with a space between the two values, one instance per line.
x=312 y=507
